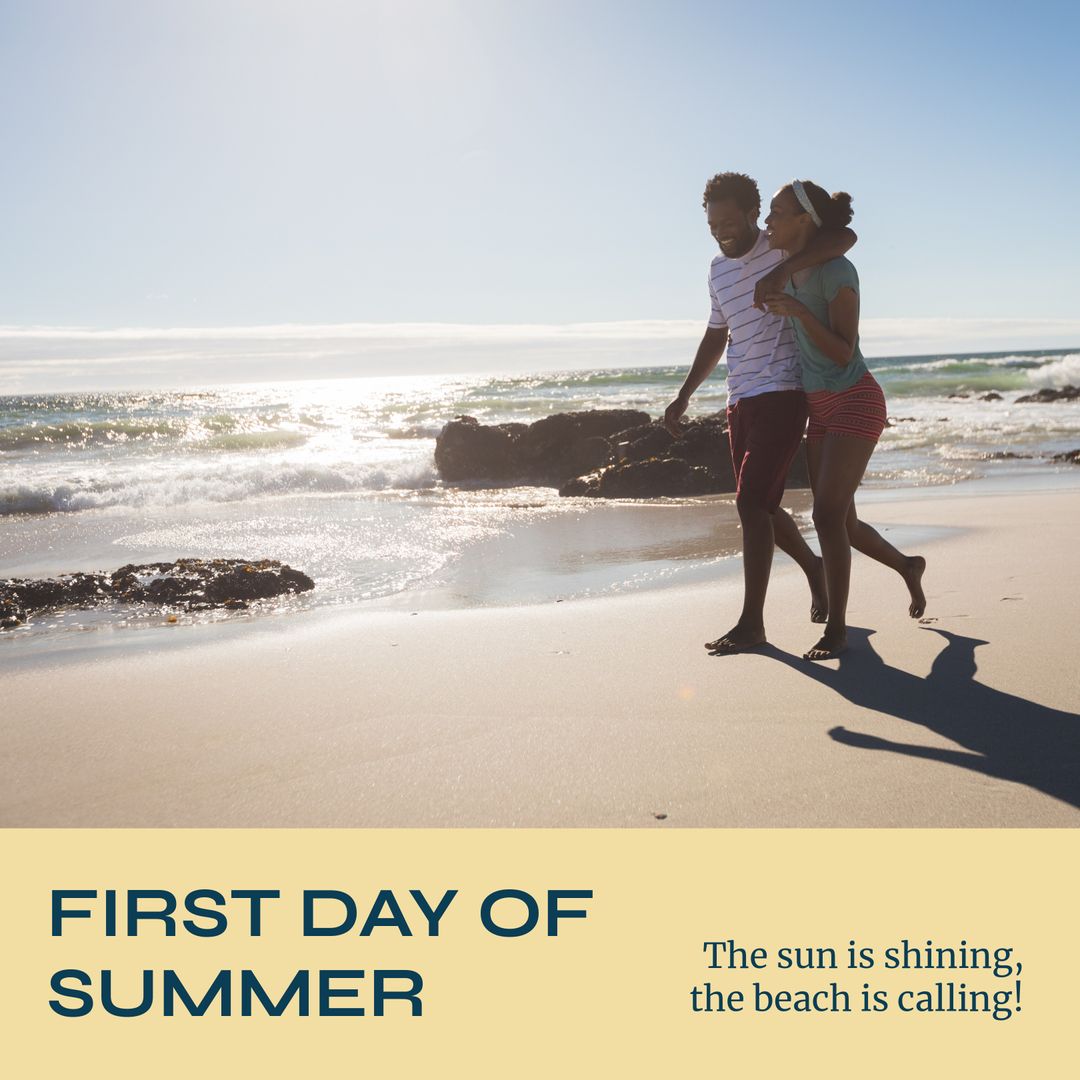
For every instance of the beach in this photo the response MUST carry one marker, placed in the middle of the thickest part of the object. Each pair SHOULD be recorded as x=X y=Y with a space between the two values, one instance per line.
x=596 y=711
x=492 y=654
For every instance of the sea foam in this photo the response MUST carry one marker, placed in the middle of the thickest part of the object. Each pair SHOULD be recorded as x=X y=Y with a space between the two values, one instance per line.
x=170 y=486
x=1057 y=373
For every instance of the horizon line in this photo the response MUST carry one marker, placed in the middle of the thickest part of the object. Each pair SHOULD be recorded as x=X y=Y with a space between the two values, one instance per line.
x=44 y=359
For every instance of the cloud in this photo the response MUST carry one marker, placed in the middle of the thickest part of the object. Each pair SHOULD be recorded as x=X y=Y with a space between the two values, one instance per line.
x=41 y=358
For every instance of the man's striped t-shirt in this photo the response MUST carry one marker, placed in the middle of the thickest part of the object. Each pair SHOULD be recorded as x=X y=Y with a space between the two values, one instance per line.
x=761 y=352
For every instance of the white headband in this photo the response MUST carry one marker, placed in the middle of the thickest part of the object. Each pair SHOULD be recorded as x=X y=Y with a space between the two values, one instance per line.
x=804 y=201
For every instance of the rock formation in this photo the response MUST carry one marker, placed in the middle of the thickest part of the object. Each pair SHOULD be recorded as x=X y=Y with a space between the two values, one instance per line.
x=189 y=584
x=1066 y=393
x=605 y=453
x=549 y=451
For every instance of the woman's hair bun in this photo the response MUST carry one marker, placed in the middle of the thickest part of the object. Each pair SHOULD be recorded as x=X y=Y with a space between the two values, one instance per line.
x=839 y=212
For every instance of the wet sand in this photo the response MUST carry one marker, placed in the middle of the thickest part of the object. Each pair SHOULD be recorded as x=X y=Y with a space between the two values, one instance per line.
x=596 y=712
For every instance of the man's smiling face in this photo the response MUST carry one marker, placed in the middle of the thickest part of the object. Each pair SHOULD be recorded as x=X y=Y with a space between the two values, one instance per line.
x=733 y=229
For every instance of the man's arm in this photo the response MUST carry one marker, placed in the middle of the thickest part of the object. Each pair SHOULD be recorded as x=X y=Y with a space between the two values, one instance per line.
x=708 y=356
x=828 y=244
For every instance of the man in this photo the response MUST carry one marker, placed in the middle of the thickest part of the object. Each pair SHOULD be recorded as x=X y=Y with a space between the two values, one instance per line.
x=766 y=405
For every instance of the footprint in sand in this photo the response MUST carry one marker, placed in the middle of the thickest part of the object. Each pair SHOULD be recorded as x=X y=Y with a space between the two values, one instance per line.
x=926 y=621
x=1012 y=598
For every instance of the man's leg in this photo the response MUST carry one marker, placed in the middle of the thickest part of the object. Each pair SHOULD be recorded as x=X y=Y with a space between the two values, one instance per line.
x=764 y=432
x=790 y=541
x=757 y=543
x=757 y=538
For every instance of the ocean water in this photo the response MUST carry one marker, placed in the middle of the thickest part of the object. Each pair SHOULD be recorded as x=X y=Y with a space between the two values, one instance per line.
x=338 y=479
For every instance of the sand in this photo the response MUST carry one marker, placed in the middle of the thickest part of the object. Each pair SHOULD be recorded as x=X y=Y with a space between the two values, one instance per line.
x=599 y=712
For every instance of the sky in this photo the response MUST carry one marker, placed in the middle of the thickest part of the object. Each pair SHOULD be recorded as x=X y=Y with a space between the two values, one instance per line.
x=496 y=185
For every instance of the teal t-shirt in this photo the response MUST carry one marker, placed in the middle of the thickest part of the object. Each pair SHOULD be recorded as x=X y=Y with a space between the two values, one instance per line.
x=819 y=289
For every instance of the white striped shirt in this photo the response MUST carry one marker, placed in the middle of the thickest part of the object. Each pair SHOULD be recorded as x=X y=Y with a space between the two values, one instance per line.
x=761 y=352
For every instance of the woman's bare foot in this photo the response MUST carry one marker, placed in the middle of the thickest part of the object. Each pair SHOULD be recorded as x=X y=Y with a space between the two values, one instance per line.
x=819 y=594
x=916 y=564
x=738 y=639
x=831 y=644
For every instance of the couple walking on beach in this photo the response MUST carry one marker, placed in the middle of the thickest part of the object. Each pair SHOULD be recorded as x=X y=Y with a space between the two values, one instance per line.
x=785 y=303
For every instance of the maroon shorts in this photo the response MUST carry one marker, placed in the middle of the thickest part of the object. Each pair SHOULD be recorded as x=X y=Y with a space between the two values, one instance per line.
x=858 y=411
x=765 y=432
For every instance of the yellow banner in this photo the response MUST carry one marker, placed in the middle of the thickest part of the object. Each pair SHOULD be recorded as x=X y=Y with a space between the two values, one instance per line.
x=536 y=953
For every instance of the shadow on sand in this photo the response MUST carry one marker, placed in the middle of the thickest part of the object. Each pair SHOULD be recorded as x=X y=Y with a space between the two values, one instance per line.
x=1007 y=736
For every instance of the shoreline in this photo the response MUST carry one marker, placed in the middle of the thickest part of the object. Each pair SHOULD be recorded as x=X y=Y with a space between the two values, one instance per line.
x=606 y=713
x=688 y=564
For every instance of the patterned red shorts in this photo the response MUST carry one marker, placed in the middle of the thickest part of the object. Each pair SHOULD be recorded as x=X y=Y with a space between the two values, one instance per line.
x=858 y=411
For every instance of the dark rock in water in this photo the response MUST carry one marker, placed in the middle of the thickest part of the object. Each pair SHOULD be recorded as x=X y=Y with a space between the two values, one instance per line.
x=703 y=442
x=660 y=476
x=207 y=582
x=21 y=596
x=48 y=592
x=991 y=395
x=584 y=456
x=1066 y=393
x=643 y=441
x=1072 y=456
x=587 y=486
x=11 y=614
x=192 y=584
x=647 y=479
x=468 y=450
x=959 y=395
x=548 y=451
x=553 y=432
x=603 y=453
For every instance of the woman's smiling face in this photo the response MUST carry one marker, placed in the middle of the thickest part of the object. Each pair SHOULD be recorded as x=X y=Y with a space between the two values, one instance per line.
x=786 y=220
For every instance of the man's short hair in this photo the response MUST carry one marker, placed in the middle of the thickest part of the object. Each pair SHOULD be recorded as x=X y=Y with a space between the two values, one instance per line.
x=736 y=186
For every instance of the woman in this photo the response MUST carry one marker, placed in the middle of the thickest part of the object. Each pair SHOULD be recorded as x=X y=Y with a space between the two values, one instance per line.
x=846 y=405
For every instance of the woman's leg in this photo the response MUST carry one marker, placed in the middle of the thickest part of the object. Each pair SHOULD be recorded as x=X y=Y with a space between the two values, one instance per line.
x=819 y=599
x=840 y=467
x=867 y=540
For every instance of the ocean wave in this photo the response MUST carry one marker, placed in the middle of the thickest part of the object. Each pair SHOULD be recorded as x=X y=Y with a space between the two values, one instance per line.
x=220 y=432
x=254 y=440
x=1058 y=373
x=959 y=363
x=942 y=376
x=1002 y=381
x=575 y=379
x=224 y=485
x=415 y=431
x=89 y=432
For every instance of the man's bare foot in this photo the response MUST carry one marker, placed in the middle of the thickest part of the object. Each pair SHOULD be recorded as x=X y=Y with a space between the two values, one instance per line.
x=913 y=579
x=819 y=594
x=738 y=639
x=831 y=644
